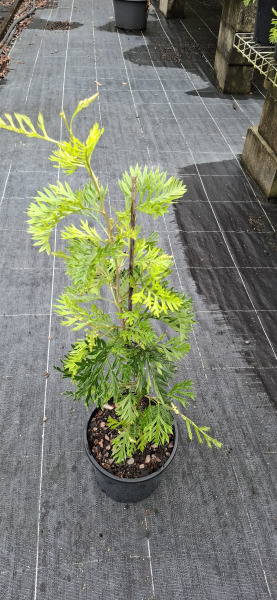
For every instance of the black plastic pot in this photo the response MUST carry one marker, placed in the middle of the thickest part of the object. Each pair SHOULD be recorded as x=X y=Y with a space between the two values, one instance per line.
x=127 y=490
x=130 y=14
x=264 y=16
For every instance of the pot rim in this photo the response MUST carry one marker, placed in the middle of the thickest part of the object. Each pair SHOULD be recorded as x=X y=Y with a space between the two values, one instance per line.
x=125 y=479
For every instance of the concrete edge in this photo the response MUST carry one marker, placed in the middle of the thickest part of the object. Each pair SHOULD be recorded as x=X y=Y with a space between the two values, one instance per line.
x=260 y=161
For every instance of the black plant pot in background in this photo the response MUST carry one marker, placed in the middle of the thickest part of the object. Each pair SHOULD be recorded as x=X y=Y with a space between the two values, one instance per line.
x=130 y=14
x=127 y=490
x=264 y=16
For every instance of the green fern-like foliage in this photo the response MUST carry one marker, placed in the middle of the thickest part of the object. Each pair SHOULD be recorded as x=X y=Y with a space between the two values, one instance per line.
x=120 y=355
x=273 y=30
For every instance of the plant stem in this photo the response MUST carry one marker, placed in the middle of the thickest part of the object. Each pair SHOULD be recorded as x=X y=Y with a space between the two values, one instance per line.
x=117 y=284
x=110 y=233
x=139 y=401
x=97 y=187
x=132 y=241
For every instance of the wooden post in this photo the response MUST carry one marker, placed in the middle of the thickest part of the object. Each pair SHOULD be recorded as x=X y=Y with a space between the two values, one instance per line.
x=132 y=241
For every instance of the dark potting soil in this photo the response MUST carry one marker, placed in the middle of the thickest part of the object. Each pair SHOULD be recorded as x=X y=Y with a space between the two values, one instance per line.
x=141 y=464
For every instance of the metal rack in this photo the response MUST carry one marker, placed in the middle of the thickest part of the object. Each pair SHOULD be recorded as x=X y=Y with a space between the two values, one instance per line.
x=261 y=57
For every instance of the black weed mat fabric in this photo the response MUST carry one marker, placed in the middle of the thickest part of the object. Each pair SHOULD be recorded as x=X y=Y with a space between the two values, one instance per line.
x=211 y=530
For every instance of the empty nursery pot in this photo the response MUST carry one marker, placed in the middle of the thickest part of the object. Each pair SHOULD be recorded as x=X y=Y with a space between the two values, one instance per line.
x=130 y=14
x=127 y=490
x=264 y=16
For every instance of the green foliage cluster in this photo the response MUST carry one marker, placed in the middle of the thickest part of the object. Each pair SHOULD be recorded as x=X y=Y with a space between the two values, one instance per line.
x=273 y=31
x=120 y=355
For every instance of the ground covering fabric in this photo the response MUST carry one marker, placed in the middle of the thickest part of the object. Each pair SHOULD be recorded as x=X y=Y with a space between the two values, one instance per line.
x=211 y=529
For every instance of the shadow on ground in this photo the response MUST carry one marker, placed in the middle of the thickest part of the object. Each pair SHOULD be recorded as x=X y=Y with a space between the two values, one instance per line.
x=228 y=233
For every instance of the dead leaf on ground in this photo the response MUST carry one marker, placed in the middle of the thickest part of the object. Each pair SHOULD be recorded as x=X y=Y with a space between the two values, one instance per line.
x=98 y=83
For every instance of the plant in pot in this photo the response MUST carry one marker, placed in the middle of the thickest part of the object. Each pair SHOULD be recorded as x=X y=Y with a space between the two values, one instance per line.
x=263 y=20
x=273 y=34
x=124 y=365
x=131 y=14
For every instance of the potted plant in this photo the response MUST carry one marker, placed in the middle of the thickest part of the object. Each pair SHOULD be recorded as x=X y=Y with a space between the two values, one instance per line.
x=122 y=365
x=273 y=34
x=131 y=14
x=263 y=20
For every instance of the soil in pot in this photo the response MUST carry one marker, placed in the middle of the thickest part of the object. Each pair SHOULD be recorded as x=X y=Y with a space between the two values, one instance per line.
x=100 y=436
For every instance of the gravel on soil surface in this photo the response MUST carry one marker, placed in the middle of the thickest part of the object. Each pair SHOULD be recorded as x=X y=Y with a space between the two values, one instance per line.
x=100 y=437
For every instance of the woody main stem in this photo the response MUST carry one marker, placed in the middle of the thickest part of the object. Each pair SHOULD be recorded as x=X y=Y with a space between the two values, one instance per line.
x=132 y=241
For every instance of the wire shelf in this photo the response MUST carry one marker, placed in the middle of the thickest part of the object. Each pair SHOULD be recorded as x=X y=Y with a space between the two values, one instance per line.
x=261 y=57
